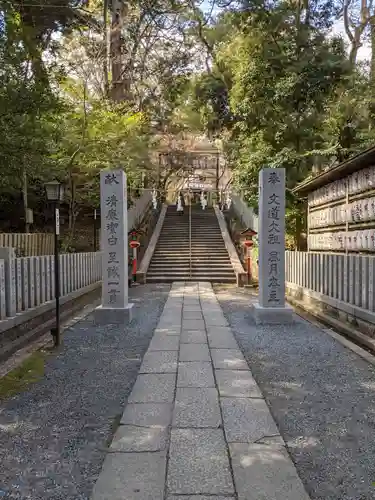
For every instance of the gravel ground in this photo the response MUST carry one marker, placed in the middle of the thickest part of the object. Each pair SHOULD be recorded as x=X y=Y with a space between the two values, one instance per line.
x=321 y=395
x=53 y=437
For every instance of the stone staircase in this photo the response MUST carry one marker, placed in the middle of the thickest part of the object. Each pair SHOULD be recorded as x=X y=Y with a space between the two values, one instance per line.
x=171 y=259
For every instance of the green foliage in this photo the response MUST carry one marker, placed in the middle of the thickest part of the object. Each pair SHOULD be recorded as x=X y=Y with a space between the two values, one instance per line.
x=264 y=78
x=95 y=134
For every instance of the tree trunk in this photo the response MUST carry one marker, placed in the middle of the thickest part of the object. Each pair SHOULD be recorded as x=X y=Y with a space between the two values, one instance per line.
x=119 y=87
x=353 y=53
x=106 y=48
x=372 y=72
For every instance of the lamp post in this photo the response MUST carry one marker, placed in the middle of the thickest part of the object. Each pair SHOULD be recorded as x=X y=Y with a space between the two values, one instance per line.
x=55 y=194
x=95 y=230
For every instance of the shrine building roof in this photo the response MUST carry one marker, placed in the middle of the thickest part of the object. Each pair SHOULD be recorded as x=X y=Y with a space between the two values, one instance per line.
x=358 y=162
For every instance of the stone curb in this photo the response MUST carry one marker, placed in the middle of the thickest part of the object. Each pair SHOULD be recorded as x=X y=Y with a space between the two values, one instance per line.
x=143 y=268
x=233 y=255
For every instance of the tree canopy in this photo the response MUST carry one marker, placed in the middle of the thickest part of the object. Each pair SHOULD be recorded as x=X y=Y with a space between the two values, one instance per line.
x=88 y=84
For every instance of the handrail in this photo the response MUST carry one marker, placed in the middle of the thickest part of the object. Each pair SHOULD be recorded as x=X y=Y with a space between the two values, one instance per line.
x=190 y=270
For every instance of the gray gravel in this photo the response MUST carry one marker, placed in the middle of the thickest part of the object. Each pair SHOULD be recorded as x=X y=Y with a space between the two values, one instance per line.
x=321 y=395
x=53 y=437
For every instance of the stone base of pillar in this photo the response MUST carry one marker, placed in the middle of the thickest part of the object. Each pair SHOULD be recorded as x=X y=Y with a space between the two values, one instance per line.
x=108 y=316
x=272 y=315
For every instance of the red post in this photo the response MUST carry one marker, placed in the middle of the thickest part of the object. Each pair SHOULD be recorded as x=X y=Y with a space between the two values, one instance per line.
x=248 y=244
x=134 y=262
x=134 y=245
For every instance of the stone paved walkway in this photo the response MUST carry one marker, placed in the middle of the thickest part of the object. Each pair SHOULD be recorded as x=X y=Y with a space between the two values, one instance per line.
x=196 y=426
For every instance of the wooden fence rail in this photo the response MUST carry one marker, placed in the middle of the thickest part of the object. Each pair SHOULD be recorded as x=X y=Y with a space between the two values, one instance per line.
x=28 y=244
x=27 y=282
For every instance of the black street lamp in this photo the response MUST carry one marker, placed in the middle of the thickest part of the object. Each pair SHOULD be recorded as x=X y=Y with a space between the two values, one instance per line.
x=55 y=194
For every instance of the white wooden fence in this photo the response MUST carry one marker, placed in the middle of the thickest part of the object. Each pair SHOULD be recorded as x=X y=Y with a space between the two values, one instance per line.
x=349 y=278
x=28 y=244
x=245 y=213
x=27 y=282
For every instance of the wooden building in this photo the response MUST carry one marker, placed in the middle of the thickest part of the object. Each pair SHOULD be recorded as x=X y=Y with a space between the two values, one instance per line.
x=341 y=206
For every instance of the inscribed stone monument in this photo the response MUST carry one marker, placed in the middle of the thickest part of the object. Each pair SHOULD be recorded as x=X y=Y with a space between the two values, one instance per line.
x=271 y=307
x=114 y=226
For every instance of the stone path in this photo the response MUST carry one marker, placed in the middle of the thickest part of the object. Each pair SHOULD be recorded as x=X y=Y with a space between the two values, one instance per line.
x=196 y=426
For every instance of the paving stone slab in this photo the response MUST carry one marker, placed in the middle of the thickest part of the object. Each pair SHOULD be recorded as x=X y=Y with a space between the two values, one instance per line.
x=164 y=343
x=159 y=362
x=265 y=472
x=228 y=359
x=193 y=324
x=133 y=438
x=147 y=414
x=169 y=329
x=196 y=407
x=210 y=304
x=192 y=309
x=195 y=374
x=198 y=497
x=198 y=462
x=196 y=315
x=172 y=319
x=131 y=476
x=211 y=307
x=221 y=338
x=153 y=388
x=173 y=304
x=237 y=384
x=193 y=337
x=171 y=309
x=212 y=312
x=170 y=325
x=194 y=352
x=175 y=331
x=215 y=319
x=247 y=420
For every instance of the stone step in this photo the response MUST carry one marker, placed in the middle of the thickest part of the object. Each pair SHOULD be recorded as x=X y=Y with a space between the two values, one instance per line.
x=209 y=230
x=198 y=234
x=170 y=271
x=193 y=277
x=195 y=234
x=176 y=248
x=195 y=260
x=176 y=264
x=204 y=257
x=196 y=254
x=196 y=246
x=184 y=252
x=180 y=267
x=194 y=215
x=184 y=272
x=194 y=242
x=203 y=234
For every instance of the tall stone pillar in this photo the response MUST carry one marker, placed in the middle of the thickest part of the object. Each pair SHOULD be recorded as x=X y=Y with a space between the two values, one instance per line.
x=271 y=307
x=114 y=237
